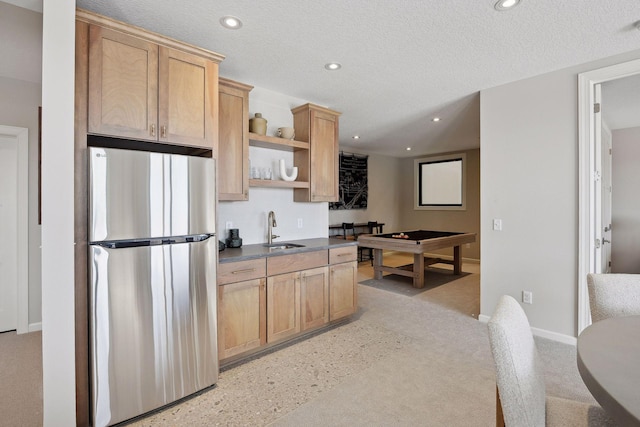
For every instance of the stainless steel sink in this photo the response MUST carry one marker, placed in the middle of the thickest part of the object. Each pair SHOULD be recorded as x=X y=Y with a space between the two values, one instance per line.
x=280 y=246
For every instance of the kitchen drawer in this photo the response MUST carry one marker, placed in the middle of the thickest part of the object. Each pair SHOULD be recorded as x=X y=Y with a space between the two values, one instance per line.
x=296 y=262
x=343 y=254
x=231 y=272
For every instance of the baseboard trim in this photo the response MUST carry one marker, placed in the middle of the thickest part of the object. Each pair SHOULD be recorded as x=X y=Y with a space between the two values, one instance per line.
x=554 y=336
x=542 y=333
x=33 y=327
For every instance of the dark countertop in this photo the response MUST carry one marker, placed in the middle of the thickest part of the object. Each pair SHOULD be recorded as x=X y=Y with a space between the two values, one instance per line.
x=258 y=250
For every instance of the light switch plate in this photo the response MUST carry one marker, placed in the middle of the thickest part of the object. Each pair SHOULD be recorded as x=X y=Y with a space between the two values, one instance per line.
x=497 y=224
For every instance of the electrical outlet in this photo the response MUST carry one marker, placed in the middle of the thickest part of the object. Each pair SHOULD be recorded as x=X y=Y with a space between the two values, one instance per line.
x=299 y=222
x=497 y=224
x=527 y=297
x=228 y=225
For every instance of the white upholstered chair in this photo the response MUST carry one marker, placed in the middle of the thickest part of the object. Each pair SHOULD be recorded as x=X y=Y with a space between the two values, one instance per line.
x=520 y=377
x=613 y=295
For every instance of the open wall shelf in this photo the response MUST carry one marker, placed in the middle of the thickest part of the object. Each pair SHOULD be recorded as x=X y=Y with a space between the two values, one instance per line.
x=276 y=143
x=277 y=183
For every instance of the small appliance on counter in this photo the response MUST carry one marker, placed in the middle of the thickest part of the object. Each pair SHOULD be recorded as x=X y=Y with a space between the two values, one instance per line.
x=234 y=240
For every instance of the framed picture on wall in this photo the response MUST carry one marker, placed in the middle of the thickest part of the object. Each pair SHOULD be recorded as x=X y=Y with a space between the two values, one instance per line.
x=440 y=182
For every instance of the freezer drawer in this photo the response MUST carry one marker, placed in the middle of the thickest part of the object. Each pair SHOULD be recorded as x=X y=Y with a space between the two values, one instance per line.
x=139 y=194
x=153 y=326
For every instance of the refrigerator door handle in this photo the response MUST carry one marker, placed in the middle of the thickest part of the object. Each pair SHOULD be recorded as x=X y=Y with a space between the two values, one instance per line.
x=134 y=243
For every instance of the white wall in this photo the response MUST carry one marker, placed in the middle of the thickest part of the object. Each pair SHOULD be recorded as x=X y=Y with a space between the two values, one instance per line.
x=383 y=204
x=58 y=331
x=19 y=102
x=529 y=179
x=625 y=249
x=250 y=217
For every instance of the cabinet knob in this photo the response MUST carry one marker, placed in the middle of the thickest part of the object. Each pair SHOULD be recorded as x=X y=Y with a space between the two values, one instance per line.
x=153 y=130
x=163 y=131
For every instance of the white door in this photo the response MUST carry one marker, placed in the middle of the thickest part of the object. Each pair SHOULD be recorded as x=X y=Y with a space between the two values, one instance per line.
x=606 y=192
x=8 y=233
x=14 y=250
x=597 y=178
x=589 y=190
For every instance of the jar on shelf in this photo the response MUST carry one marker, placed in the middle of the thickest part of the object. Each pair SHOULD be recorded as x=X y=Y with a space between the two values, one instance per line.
x=258 y=124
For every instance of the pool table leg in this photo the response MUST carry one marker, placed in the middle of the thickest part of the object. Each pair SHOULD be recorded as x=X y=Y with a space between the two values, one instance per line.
x=457 y=260
x=377 y=263
x=418 y=270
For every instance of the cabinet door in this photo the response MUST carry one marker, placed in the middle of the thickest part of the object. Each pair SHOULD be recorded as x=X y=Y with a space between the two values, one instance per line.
x=187 y=101
x=283 y=306
x=233 y=141
x=324 y=157
x=241 y=317
x=314 y=293
x=343 y=290
x=123 y=85
x=319 y=165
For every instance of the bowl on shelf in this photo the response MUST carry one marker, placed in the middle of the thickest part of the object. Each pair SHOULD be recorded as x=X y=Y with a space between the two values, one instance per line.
x=286 y=133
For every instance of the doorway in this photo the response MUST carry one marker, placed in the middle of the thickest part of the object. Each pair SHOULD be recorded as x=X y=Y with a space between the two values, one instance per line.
x=14 y=294
x=593 y=228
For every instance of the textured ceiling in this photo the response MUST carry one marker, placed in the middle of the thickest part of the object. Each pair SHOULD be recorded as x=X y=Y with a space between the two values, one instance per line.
x=403 y=62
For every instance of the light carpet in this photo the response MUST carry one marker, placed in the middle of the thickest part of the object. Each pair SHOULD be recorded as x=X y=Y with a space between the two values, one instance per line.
x=21 y=379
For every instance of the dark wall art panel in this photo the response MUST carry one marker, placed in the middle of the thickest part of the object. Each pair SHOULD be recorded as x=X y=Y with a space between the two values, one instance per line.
x=353 y=182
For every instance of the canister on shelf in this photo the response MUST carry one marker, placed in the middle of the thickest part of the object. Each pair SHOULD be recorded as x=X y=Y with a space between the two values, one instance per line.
x=258 y=124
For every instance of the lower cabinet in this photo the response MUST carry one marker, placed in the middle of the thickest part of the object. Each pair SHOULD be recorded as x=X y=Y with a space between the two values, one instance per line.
x=314 y=298
x=283 y=306
x=241 y=317
x=261 y=302
x=343 y=291
x=297 y=302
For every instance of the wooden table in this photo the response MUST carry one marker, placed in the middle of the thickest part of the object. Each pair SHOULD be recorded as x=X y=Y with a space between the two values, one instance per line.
x=609 y=364
x=418 y=242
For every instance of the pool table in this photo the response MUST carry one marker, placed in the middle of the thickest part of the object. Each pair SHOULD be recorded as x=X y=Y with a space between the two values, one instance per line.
x=416 y=242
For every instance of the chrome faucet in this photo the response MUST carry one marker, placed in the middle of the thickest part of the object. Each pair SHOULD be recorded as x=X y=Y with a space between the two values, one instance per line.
x=271 y=220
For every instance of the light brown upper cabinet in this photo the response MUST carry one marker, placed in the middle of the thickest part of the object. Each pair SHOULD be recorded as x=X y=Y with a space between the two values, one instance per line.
x=233 y=140
x=142 y=89
x=319 y=165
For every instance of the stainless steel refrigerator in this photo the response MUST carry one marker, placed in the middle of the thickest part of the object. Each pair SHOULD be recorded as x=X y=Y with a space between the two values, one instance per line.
x=152 y=256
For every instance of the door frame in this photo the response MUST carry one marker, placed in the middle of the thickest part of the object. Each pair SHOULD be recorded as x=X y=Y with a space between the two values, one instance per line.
x=22 y=139
x=587 y=172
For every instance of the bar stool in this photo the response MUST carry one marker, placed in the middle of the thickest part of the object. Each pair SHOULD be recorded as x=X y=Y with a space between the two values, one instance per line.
x=374 y=228
x=346 y=226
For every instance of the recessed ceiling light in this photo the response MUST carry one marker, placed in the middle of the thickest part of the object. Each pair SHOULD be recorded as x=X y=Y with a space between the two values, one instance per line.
x=332 y=66
x=408 y=148
x=356 y=136
x=231 y=22
x=502 y=5
x=435 y=119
